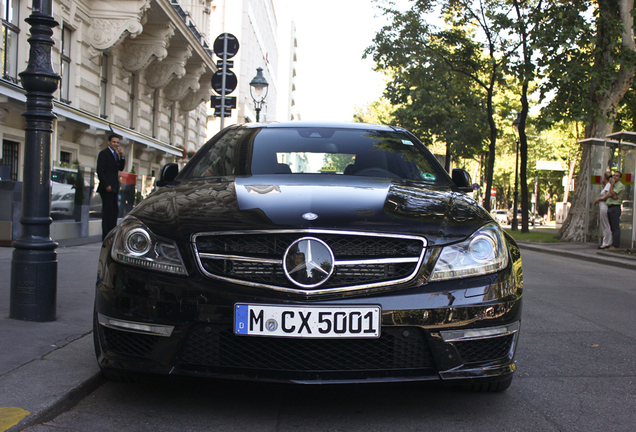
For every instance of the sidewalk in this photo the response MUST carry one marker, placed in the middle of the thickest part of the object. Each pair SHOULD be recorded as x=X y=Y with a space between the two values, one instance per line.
x=46 y=368
x=581 y=251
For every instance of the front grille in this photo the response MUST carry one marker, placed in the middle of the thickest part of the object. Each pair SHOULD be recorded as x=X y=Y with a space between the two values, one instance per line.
x=256 y=258
x=133 y=344
x=398 y=352
x=481 y=350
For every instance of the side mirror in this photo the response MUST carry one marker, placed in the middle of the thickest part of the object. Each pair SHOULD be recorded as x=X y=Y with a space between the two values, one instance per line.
x=168 y=174
x=462 y=180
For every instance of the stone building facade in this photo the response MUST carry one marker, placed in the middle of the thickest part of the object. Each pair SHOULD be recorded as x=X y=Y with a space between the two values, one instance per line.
x=141 y=69
x=138 y=68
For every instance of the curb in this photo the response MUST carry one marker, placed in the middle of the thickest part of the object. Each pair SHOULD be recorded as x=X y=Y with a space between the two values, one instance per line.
x=601 y=257
x=51 y=385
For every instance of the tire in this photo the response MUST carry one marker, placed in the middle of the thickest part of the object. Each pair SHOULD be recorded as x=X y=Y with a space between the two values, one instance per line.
x=98 y=349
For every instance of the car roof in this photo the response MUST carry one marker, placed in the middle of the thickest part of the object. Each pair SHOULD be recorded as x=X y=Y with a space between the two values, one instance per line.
x=326 y=124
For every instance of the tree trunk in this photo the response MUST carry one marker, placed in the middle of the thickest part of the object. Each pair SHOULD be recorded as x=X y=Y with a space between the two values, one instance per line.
x=602 y=120
x=527 y=76
x=447 y=159
x=490 y=169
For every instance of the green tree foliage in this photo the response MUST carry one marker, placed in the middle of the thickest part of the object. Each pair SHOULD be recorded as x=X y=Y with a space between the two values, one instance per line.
x=589 y=57
x=444 y=79
x=582 y=54
x=377 y=112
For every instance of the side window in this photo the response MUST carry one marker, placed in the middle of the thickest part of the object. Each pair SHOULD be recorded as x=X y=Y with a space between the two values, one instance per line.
x=225 y=157
x=10 y=32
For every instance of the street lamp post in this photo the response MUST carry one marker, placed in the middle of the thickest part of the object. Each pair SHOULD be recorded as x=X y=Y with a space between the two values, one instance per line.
x=514 y=225
x=34 y=259
x=258 y=90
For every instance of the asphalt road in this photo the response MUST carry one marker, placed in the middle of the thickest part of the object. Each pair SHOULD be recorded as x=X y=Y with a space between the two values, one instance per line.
x=576 y=372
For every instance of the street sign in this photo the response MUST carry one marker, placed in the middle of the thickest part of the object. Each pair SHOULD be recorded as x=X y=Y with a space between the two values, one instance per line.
x=228 y=63
x=232 y=45
x=230 y=102
x=226 y=113
x=224 y=81
x=230 y=81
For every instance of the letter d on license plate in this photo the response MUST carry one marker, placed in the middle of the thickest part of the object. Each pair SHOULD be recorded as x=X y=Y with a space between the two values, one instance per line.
x=307 y=321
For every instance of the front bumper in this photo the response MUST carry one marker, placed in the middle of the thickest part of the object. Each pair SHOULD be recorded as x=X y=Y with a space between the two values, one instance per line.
x=171 y=325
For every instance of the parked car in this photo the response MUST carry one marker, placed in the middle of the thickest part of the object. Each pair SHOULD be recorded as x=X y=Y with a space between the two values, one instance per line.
x=531 y=217
x=310 y=253
x=62 y=205
x=500 y=216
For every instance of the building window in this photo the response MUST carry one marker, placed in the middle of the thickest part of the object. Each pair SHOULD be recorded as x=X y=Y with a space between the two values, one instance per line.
x=103 y=87
x=155 y=113
x=10 y=151
x=65 y=82
x=65 y=157
x=132 y=106
x=171 y=125
x=9 y=49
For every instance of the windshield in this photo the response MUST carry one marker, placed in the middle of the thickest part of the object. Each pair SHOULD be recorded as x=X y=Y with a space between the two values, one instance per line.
x=244 y=152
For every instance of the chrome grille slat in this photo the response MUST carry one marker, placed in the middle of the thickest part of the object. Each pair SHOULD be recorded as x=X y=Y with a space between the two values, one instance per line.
x=362 y=260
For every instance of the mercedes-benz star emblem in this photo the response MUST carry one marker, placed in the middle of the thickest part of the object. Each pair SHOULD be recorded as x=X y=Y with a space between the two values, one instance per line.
x=308 y=262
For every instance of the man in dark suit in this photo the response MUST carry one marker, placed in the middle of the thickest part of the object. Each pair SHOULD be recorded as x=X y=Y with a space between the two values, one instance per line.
x=109 y=162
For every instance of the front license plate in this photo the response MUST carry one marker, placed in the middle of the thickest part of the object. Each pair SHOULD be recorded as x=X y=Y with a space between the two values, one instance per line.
x=307 y=321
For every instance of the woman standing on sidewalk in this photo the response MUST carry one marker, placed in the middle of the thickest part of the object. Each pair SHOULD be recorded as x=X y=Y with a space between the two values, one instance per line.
x=606 y=231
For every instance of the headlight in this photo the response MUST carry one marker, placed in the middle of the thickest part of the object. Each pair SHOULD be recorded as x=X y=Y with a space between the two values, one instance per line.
x=136 y=245
x=484 y=252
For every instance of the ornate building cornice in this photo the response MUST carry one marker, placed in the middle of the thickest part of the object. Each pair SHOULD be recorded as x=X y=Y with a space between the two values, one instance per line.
x=152 y=44
x=177 y=89
x=113 y=21
x=192 y=99
x=159 y=74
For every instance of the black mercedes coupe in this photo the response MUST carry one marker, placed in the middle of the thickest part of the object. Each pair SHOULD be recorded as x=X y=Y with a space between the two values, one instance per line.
x=311 y=253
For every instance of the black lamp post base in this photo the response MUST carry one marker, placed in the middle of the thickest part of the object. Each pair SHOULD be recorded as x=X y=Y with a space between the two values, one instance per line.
x=33 y=285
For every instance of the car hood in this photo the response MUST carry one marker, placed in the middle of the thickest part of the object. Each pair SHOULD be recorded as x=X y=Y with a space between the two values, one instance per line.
x=336 y=202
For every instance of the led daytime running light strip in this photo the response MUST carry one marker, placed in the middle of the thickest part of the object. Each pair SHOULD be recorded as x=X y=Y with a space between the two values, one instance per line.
x=136 y=327
x=150 y=264
x=482 y=333
x=467 y=272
